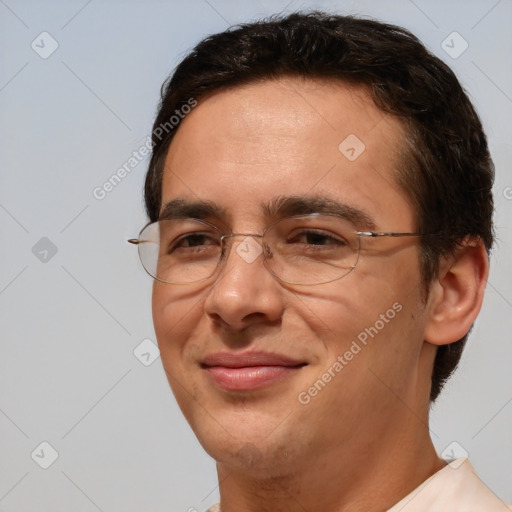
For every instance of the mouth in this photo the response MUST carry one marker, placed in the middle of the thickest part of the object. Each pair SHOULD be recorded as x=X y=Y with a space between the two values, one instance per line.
x=249 y=371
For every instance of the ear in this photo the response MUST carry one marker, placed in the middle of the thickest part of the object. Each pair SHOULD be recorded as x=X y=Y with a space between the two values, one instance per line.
x=456 y=296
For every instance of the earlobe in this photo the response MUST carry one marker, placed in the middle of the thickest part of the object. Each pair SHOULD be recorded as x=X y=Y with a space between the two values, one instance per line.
x=456 y=295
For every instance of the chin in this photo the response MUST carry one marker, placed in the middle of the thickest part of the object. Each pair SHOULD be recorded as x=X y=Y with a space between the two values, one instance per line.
x=249 y=444
x=258 y=459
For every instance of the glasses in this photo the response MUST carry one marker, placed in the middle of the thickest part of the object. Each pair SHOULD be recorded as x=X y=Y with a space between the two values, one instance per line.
x=301 y=250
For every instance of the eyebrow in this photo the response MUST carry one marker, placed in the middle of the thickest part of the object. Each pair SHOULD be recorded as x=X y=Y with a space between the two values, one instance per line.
x=282 y=206
x=303 y=205
x=183 y=209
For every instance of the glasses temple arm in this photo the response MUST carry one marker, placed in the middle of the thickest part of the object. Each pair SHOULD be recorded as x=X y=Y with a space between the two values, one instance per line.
x=377 y=234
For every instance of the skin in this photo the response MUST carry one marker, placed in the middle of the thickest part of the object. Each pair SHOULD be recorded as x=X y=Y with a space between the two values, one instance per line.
x=362 y=443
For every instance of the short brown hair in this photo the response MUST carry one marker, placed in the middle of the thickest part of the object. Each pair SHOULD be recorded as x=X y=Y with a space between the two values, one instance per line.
x=447 y=171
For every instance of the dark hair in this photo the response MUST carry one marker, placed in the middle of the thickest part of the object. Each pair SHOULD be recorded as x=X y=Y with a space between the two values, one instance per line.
x=445 y=167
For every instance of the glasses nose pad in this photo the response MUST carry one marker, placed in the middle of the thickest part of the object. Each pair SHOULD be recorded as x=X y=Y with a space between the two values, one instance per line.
x=224 y=247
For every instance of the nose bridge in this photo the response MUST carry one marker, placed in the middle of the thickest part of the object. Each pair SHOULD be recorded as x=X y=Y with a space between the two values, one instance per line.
x=248 y=249
x=232 y=235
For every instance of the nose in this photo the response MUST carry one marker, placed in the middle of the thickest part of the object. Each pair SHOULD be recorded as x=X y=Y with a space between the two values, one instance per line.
x=245 y=293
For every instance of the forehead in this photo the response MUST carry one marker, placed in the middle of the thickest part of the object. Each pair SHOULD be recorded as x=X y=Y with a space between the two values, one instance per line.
x=292 y=136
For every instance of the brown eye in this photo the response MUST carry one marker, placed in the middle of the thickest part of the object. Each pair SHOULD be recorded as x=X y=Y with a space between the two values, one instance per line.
x=193 y=240
x=316 y=238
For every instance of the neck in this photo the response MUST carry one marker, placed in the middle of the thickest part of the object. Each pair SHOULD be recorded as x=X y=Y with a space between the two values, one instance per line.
x=371 y=478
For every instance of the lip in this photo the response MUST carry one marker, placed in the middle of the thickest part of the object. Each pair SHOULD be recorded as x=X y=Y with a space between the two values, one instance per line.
x=248 y=371
x=243 y=359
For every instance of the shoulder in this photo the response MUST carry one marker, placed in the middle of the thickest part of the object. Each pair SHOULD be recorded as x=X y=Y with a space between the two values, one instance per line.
x=457 y=488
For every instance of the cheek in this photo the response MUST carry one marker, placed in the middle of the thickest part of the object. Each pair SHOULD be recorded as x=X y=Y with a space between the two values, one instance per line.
x=346 y=308
x=369 y=315
x=175 y=315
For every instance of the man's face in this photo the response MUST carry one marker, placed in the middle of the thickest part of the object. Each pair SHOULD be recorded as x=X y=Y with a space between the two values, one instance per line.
x=243 y=149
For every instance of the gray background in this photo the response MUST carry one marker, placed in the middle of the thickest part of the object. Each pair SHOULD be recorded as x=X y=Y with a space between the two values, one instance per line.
x=70 y=321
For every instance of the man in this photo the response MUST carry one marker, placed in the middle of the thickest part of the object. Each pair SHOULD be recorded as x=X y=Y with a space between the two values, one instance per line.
x=321 y=215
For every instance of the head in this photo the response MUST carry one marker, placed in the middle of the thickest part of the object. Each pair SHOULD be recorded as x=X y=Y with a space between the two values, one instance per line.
x=445 y=168
x=265 y=104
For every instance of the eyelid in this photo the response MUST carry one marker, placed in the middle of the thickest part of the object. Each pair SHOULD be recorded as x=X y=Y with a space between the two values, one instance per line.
x=203 y=222
x=221 y=228
x=317 y=230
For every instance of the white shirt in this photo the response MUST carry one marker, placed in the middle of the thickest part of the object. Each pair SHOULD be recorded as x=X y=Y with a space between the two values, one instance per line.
x=455 y=488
